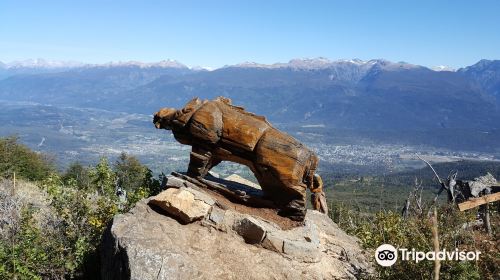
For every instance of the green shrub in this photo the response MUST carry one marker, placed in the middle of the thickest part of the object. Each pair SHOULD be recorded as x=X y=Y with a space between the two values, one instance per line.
x=103 y=178
x=18 y=158
x=135 y=178
x=387 y=227
x=60 y=237
x=77 y=174
x=32 y=253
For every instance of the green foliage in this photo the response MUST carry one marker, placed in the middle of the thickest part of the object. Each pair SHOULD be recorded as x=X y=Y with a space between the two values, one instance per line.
x=370 y=193
x=77 y=174
x=67 y=246
x=83 y=217
x=130 y=171
x=81 y=204
x=135 y=178
x=387 y=227
x=31 y=253
x=103 y=178
x=369 y=207
x=467 y=170
x=18 y=158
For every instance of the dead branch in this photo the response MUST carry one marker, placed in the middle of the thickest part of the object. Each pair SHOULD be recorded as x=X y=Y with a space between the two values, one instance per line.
x=449 y=186
x=414 y=197
x=435 y=173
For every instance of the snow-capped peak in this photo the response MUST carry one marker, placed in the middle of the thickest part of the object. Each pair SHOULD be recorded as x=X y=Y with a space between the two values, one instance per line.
x=298 y=63
x=161 y=64
x=202 y=68
x=440 y=68
x=42 y=63
x=323 y=63
x=55 y=64
x=309 y=63
x=249 y=64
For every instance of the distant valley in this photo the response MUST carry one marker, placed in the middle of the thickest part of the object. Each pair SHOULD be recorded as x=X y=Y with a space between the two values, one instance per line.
x=358 y=115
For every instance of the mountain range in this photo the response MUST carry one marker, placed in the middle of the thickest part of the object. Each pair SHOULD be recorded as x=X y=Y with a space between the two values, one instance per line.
x=397 y=99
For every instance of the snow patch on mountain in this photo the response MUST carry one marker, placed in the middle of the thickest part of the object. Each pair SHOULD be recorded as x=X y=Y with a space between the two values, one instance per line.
x=161 y=64
x=440 y=68
x=324 y=63
x=40 y=63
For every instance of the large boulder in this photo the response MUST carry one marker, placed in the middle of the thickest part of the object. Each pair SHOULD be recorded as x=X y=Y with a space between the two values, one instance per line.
x=157 y=240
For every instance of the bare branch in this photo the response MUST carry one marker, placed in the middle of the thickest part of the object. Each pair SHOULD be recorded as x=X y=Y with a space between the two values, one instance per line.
x=418 y=195
x=439 y=192
x=414 y=197
x=435 y=173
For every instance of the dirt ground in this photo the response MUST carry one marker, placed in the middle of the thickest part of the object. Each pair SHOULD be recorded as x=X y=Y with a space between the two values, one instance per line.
x=268 y=214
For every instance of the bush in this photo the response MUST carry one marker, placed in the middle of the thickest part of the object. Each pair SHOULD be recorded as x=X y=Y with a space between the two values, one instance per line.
x=18 y=158
x=387 y=227
x=135 y=178
x=103 y=178
x=77 y=174
x=54 y=227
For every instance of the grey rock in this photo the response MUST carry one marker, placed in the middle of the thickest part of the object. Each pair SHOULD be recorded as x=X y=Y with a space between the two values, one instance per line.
x=217 y=215
x=251 y=230
x=481 y=184
x=304 y=250
x=146 y=244
x=338 y=243
x=273 y=242
x=301 y=243
x=173 y=182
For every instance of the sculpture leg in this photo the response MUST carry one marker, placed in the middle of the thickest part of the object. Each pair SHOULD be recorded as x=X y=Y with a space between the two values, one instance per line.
x=290 y=198
x=315 y=184
x=199 y=162
x=295 y=209
x=318 y=198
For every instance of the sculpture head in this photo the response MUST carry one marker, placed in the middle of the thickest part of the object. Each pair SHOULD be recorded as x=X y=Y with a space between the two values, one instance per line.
x=163 y=118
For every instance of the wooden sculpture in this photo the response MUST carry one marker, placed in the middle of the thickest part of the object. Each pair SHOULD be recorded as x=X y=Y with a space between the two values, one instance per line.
x=219 y=131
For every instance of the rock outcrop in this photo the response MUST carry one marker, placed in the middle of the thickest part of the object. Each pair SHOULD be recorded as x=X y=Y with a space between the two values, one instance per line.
x=187 y=232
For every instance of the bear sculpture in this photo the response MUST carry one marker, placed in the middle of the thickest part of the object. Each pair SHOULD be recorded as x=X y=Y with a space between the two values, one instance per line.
x=219 y=131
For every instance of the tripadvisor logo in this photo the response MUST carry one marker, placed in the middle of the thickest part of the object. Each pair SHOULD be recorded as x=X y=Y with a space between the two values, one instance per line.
x=387 y=255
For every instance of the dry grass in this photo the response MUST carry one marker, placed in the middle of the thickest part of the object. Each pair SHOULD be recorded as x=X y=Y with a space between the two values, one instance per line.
x=14 y=200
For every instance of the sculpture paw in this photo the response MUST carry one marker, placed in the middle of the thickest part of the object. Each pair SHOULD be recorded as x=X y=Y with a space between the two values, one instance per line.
x=319 y=202
x=295 y=210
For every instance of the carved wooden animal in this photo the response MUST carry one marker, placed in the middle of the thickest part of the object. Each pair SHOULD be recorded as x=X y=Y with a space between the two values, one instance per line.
x=219 y=131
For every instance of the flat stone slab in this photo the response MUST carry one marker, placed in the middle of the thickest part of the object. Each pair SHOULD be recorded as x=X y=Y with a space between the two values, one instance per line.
x=182 y=204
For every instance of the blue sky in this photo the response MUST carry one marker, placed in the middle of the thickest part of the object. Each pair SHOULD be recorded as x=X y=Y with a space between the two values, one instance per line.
x=217 y=33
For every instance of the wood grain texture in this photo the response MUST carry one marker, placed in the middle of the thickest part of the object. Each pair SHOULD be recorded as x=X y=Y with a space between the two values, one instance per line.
x=474 y=202
x=219 y=131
